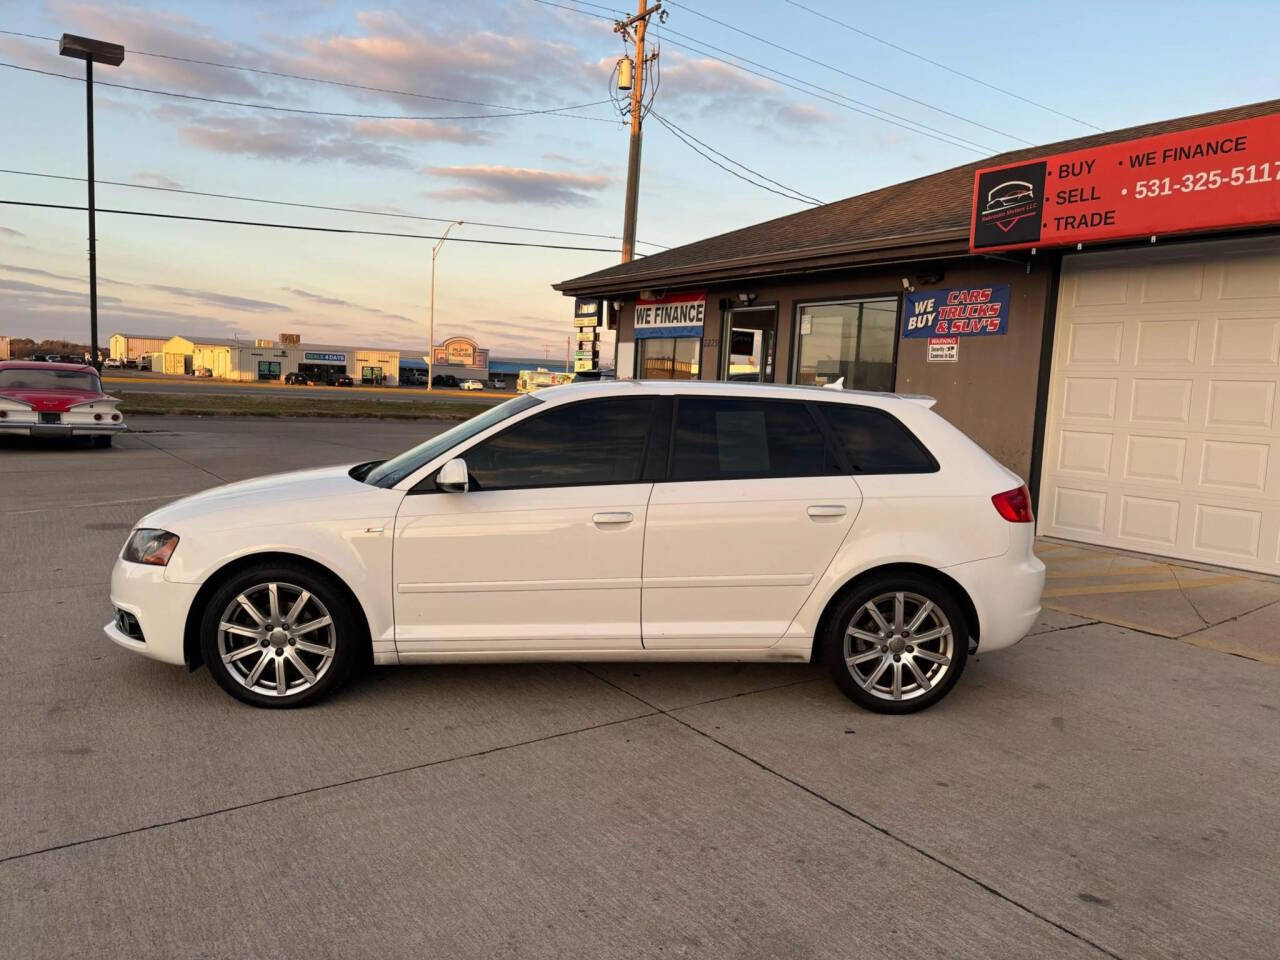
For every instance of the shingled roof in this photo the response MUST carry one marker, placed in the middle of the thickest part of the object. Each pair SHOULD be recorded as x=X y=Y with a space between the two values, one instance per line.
x=918 y=218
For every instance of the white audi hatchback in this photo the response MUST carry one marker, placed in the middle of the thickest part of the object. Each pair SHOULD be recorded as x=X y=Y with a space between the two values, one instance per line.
x=612 y=521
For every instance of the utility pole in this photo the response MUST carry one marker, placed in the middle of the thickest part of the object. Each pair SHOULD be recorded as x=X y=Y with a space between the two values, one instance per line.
x=112 y=54
x=640 y=23
x=431 y=335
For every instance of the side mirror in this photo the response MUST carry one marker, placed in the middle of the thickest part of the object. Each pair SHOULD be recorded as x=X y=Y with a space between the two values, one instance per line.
x=453 y=476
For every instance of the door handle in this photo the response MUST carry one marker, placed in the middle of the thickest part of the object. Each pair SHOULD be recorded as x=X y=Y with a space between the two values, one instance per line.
x=827 y=510
x=621 y=517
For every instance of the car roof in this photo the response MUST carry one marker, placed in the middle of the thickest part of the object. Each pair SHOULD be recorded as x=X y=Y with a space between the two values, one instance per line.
x=40 y=365
x=578 y=390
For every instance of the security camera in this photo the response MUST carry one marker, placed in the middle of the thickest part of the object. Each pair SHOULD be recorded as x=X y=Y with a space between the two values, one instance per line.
x=906 y=285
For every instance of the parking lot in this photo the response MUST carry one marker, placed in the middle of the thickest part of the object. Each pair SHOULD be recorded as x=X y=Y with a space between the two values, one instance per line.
x=1097 y=791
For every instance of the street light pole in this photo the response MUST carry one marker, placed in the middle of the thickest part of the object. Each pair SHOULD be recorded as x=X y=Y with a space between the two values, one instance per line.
x=112 y=54
x=431 y=336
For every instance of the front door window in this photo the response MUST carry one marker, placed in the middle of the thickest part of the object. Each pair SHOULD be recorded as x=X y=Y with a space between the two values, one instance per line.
x=749 y=345
x=853 y=339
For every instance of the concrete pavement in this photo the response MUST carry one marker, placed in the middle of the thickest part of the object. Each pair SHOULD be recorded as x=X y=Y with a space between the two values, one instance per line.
x=1094 y=792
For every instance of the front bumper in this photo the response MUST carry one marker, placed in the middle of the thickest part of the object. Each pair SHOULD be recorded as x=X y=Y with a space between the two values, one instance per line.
x=159 y=605
x=61 y=429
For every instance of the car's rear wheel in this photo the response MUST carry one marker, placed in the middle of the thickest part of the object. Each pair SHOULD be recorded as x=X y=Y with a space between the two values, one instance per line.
x=897 y=644
x=280 y=636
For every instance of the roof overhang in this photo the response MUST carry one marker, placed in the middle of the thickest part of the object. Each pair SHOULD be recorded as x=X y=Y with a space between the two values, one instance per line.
x=880 y=250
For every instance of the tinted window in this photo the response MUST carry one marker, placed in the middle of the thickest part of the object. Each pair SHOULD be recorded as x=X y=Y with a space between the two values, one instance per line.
x=875 y=442
x=396 y=469
x=735 y=438
x=597 y=441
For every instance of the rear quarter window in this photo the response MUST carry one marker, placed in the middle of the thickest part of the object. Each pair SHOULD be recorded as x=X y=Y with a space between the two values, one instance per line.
x=876 y=442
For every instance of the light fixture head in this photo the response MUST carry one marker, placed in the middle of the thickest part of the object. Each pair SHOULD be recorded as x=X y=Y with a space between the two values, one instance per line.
x=84 y=48
x=746 y=298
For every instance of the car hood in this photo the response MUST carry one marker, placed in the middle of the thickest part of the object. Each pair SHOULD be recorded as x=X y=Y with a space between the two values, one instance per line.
x=325 y=493
x=51 y=401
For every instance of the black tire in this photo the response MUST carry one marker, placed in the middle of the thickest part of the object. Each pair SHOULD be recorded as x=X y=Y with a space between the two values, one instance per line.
x=103 y=441
x=897 y=649
x=348 y=641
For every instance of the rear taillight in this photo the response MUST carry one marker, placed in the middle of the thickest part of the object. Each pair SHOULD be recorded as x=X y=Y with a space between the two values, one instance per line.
x=1014 y=505
x=3 y=414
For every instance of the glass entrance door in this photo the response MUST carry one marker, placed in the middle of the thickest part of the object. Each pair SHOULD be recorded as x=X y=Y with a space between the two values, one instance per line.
x=749 y=344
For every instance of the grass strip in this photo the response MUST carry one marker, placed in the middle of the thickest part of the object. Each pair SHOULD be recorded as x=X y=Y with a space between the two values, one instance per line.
x=240 y=405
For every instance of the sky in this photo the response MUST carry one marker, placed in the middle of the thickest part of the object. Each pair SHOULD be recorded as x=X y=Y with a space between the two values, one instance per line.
x=869 y=111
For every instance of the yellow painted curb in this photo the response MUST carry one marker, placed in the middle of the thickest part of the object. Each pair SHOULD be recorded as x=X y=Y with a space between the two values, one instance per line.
x=1135 y=587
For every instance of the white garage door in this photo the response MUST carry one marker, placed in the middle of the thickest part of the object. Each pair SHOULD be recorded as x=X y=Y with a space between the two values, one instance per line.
x=1162 y=431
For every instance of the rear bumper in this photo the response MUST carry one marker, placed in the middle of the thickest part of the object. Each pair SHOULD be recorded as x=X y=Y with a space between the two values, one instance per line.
x=1006 y=594
x=61 y=429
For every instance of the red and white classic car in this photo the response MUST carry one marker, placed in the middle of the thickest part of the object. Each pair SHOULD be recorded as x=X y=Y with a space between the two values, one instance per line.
x=56 y=400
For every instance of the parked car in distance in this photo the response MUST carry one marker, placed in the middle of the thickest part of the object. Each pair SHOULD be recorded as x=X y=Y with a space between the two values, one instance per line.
x=342 y=380
x=297 y=379
x=755 y=522
x=144 y=363
x=56 y=400
x=202 y=372
x=444 y=380
x=499 y=382
x=112 y=363
x=471 y=385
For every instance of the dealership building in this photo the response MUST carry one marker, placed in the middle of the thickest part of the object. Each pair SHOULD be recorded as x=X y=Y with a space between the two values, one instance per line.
x=274 y=359
x=1101 y=314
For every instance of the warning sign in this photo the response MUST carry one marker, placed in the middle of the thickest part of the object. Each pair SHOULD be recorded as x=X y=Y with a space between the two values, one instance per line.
x=943 y=349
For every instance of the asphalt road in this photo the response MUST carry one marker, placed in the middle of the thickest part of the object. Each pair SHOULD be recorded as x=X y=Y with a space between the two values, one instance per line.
x=135 y=382
x=1093 y=792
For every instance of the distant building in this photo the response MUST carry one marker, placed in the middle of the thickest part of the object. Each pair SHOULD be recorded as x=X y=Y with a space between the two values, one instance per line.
x=269 y=360
x=460 y=357
x=4 y=348
x=129 y=347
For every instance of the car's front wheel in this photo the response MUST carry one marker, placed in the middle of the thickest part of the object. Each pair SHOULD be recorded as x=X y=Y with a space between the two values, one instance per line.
x=897 y=644
x=278 y=635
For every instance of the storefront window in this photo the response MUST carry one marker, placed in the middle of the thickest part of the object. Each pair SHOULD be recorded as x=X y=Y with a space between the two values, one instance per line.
x=667 y=358
x=853 y=339
x=268 y=370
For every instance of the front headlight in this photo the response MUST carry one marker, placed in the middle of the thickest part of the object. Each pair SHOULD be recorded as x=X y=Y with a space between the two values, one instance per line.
x=150 y=546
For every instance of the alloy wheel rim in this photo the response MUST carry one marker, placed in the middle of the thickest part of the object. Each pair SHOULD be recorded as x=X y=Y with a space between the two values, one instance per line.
x=276 y=639
x=898 y=646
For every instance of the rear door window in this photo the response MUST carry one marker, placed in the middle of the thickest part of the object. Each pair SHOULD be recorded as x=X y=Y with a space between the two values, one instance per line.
x=737 y=438
x=874 y=441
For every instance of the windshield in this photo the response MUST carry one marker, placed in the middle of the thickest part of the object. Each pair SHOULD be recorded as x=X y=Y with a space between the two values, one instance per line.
x=397 y=468
x=50 y=380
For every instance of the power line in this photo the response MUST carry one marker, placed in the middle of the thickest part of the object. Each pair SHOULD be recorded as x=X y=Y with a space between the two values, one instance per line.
x=299 y=226
x=319 y=206
x=941 y=66
x=674 y=127
x=296 y=76
x=913 y=126
x=846 y=73
x=554 y=111
x=729 y=170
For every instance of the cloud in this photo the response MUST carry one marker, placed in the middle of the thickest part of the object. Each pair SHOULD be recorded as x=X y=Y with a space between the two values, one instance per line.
x=225 y=300
x=498 y=184
x=339 y=302
x=306 y=139
x=423 y=131
x=156 y=180
x=43 y=311
x=10 y=232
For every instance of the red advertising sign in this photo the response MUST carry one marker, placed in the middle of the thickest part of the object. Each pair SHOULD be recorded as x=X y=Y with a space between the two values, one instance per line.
x=1227 y=175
